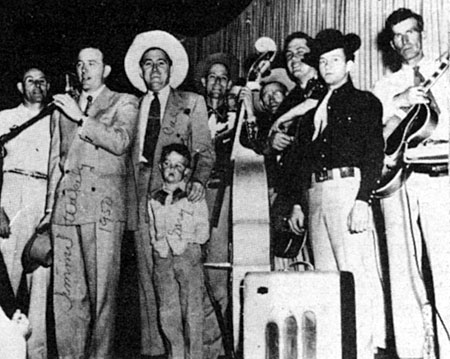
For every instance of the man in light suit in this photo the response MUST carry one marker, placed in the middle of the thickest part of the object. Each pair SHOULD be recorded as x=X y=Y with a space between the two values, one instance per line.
x=86 y=207
x=156 y=63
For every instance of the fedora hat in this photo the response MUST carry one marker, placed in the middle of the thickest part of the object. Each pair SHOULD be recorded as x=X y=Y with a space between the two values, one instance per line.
x=230 y=62
x=278 y=75
x=331 y=39
x=161 y=40
x=38 y=250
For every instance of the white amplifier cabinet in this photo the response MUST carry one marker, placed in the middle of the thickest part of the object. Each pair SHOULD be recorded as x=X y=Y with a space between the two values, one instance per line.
x=299 y=315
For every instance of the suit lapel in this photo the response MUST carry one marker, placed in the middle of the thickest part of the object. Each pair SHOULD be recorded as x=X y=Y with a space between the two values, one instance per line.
x=101 y=102
x=174 y=105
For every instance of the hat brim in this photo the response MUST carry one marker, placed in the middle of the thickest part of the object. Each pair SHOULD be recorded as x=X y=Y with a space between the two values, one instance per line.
x=279 y=75
x=330 y=39
x=164 y=41
x=38 y=251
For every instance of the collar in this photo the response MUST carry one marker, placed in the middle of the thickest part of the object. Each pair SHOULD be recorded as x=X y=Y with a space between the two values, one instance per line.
x=425 y=61
x=162 y=95
x=30 y=113
x=346 y=87
x=220 y=112
x=94 y=95
x=177 y=195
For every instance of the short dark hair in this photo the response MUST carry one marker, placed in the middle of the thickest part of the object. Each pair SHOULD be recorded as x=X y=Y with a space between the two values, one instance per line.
x=27 y=67
x=178 y=148
x=400 y=15
x=297 y=35
x=156 y=48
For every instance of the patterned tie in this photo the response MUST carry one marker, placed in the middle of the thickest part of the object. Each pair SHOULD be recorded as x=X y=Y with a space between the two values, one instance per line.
x=418 y=80
x=88 y=105
x=321 y=116
x=152 y=130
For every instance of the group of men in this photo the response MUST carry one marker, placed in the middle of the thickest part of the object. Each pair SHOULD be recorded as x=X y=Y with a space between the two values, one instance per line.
x=84 y=173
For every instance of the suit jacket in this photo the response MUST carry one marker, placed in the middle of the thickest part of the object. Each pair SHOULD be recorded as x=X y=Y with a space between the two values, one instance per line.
x=185 y=121
x=88 y=165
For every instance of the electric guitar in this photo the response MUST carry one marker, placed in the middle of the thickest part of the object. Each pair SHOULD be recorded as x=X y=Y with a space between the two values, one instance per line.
x=417 y=125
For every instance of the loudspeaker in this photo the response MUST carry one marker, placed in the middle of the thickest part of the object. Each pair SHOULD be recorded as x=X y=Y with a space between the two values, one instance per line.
x=299 y=315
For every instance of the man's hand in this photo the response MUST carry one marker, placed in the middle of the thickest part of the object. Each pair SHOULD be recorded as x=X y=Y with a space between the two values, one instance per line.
x=297 y=220
x=69 y=106
x=5 y=230
x=411 y=96
x=358 y=219
x=195 y=191
x=280 y=141
x=45 y=221
x=284 y=121
x=22 y=323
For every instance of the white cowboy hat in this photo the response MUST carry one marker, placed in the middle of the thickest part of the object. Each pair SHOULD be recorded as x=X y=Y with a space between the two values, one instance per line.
x=279 y=75
x=164 y=41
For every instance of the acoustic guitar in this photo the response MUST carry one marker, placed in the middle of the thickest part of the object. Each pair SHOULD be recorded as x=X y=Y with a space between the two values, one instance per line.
x=417 y=125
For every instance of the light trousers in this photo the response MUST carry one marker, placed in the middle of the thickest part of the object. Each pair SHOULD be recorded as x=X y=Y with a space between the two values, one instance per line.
x=418 y=213
x=23 y=199
x=335 y=248
x=86 y=276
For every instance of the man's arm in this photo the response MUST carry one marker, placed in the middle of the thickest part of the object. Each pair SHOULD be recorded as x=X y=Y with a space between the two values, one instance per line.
x=116 y=136
x=54 y=172
x=370 y=165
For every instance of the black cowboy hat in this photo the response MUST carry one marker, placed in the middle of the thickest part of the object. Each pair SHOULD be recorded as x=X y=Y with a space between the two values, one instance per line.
x=331 y=39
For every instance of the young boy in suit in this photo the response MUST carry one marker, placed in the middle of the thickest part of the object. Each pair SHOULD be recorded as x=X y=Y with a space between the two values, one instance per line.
x=178 y=228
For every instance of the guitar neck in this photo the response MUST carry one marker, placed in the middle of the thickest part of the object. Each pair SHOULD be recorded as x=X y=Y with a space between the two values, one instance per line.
x=428 y=84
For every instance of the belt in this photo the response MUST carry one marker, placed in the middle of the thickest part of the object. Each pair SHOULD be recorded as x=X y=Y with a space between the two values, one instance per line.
x=33 y=174
x=431 y=170
x=334 y=173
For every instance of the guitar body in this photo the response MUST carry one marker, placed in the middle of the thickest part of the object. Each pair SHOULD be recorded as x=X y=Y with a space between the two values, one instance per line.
x=417 y=126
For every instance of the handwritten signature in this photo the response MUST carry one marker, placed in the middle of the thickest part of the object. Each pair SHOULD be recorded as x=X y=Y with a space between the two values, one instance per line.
x=106 y=211
x=72 y=192
x=66 y=292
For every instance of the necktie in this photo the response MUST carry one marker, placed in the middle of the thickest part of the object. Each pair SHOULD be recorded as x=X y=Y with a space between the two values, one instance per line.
x=321 y=116
x=88 y=105
x=418 y=80
x=152 y=130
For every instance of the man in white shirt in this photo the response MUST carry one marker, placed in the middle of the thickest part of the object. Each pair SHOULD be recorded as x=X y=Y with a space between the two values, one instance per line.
x=23 y=196
x=418 y=213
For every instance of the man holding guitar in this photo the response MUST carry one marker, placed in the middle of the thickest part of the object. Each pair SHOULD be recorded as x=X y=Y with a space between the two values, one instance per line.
x=418 y=213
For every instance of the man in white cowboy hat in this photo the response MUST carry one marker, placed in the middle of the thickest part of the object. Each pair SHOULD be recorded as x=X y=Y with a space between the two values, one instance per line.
x=156 y=64
x=86 y=206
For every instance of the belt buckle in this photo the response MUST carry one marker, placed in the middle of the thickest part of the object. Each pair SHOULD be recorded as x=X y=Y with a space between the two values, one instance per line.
x=321 y=176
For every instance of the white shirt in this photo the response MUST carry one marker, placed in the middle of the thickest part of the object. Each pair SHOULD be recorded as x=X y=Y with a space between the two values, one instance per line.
x=163 y=96
x=397 y=82
x=82 y=102
x=30 y=150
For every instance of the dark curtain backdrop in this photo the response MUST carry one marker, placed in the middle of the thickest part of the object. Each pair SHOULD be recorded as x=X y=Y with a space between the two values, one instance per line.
x=49 y=33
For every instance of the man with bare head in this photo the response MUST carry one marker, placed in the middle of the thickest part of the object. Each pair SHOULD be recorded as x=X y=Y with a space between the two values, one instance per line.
x=86 y=207
x=23 y=195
